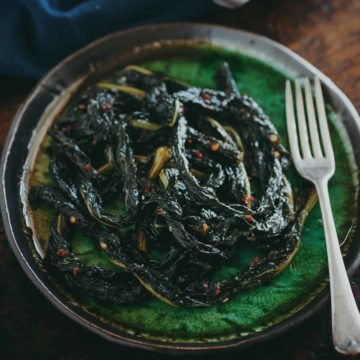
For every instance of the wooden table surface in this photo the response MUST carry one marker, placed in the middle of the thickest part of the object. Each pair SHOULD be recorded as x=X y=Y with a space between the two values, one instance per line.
x=325 y=32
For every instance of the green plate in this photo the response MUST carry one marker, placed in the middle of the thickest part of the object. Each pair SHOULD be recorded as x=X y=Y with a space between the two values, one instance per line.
x=260 y=71
x=256 y=309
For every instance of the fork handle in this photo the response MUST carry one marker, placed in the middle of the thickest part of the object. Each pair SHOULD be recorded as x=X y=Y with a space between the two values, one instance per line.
x=344 y=311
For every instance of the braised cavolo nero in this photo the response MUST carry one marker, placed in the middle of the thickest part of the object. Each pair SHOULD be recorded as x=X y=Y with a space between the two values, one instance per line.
x=148 y=165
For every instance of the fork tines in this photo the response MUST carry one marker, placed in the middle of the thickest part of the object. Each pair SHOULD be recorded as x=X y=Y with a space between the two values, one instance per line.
x=304 y=127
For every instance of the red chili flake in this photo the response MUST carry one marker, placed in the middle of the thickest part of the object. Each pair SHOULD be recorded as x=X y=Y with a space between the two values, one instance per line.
x=159 y=210
x=206 y=96
x=146 y=187
x=72 y=219
x=87 y=167
x=255 y=261
x=273 y=138
x=249 y=199
x=189 y=140
x=105 y=105
x=75 y=270
x=62 y=253
x=214 y=147
x=66 y=128
x=199 y=154
x=82 y=106
x=217 y=290
x=249 y=218
x=204 y=228
x=276 y=154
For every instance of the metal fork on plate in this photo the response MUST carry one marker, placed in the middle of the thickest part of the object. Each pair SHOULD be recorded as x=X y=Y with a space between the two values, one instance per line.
x=313 y=158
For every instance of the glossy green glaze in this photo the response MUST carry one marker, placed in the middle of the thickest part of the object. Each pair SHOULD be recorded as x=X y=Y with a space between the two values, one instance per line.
x=256 y=309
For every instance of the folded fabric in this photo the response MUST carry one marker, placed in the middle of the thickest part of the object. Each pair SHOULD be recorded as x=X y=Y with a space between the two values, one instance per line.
x=36 y=34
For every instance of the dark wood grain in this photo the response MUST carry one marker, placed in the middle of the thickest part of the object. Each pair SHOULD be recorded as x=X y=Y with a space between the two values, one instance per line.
x=325 y=32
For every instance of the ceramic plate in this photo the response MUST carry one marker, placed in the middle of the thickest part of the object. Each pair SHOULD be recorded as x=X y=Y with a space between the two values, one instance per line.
x=188 y=52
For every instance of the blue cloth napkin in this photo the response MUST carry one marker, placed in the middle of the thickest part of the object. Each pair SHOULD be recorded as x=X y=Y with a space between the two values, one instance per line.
x=36 y=34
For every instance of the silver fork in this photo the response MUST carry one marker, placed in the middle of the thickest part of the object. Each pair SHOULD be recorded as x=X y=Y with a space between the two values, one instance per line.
x=317 y=164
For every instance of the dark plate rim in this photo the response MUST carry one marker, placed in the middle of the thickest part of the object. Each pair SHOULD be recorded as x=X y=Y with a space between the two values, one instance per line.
x=91 y=323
